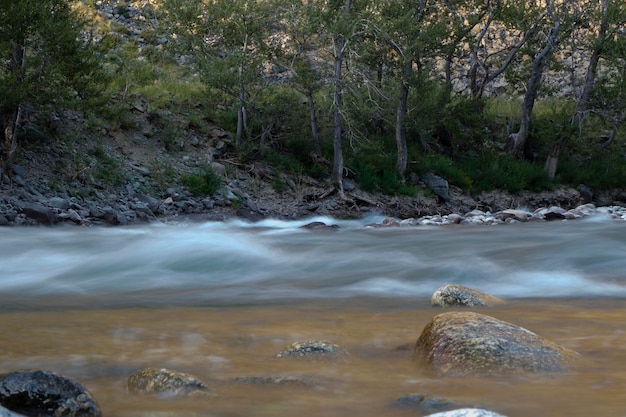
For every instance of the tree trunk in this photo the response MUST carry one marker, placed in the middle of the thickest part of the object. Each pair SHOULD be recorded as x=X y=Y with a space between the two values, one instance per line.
x=518 y=140
x=590 y=77
x=583 y=102
x=340 y=46
x=13 y=115
x=337 y=174
x=401 y=112
x=317 y=149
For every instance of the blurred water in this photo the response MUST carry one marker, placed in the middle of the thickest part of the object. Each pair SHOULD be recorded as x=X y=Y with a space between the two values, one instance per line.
x=237 y=262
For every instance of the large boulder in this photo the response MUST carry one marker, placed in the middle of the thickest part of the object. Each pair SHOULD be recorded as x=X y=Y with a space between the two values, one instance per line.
x=468 y=343
x=44 y=393
x=166 y=383
x=455 y=295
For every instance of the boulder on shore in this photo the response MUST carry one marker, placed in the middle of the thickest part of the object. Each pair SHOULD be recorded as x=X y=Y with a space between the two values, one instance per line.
x=455 y=295
x=45 y=393
x=468 y=343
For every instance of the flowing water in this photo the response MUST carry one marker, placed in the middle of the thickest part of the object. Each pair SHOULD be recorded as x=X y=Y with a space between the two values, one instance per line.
x=219 y=300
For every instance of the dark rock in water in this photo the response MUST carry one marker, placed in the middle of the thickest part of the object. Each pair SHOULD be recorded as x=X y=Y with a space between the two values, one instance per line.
x=468 y=343
x=454 y=295
x=166 y=383
x=439 y=185
x=424 y=403
x=44 y=393
x=313 y=349
x=466 y=412
x=319 y=226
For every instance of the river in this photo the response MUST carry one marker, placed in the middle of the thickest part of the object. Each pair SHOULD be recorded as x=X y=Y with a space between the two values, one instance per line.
x=219 y=300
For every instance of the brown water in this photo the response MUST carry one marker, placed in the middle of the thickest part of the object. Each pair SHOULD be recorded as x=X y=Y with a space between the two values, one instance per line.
x=101 y=347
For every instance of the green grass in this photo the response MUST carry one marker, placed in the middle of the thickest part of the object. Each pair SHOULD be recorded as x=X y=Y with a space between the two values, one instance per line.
x=205 y=182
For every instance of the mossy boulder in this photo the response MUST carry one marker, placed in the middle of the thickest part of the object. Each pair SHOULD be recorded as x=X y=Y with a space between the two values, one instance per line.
x=166 y=383
x=455 y=295
x=45 y=393
x=468 y=343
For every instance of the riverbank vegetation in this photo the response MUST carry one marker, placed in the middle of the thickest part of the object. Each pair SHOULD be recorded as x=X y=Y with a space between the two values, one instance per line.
x=502 y=94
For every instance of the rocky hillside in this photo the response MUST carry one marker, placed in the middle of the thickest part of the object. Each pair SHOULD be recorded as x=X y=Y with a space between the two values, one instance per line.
x=116 y=173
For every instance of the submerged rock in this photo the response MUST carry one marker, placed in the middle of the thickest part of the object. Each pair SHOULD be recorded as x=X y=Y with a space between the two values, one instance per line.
x=424 y=403
x=166 y=382
x=44 y=393
x=313 y=349
x=468 y=343
x=455 y=295
x=272 y=380
x=466 y=412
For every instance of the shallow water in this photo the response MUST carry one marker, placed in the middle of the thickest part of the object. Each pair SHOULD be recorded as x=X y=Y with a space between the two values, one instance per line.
x=220 y=300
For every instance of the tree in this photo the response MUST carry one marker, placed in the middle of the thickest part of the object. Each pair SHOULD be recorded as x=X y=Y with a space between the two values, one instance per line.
x=46 y=62
x=301 y=56
x=507 y=24
x=517 y=141
x=607 y=17
x=342 y=31
x=227 y=40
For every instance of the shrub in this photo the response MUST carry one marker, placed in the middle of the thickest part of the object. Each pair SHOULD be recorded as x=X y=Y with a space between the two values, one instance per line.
x=203 y=183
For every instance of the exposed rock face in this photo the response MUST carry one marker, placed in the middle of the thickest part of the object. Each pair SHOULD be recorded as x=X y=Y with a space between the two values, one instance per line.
x=455 y=295
x=467 y=412
x=468 y=343
x=313 y=349
x=44 y=393
x=166 y=383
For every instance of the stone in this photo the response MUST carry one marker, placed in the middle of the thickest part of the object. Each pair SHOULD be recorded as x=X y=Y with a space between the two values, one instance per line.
x=272 y=380
x=511 y=214
x=313 y=349
x=44 y=393
x=455 y=295
x=166 y=383
x=472 y=344
x=466 y=412
x=59 y=203
x=37 y=212
x=424 y=403
x=437 y=184
x=319 y=226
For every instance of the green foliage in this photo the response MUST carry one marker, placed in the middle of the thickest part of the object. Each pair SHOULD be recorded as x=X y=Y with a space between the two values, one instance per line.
x=374 y=169
x=445 y=167
x=163 y=174
x=491 y=171
x=602 y=169
x=57 y=66
x=107 y=169
x=203 y=183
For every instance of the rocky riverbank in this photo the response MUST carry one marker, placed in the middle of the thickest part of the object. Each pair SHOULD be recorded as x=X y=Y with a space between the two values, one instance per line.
x=30 y=195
